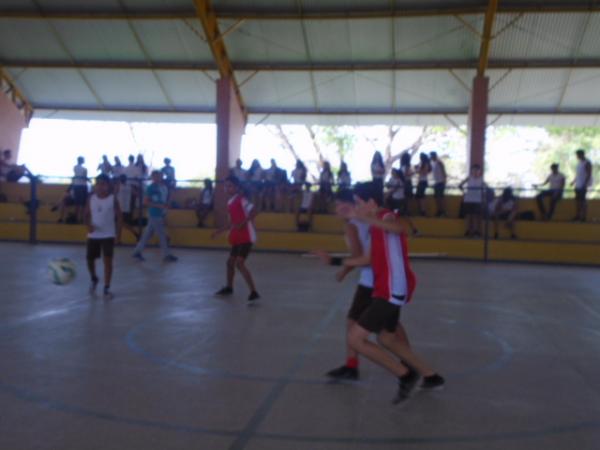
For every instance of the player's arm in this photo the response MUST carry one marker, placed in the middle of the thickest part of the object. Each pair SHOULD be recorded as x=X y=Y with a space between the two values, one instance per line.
x=461 y=186
x=356 y=250
x=390 y=223
x=359 y=261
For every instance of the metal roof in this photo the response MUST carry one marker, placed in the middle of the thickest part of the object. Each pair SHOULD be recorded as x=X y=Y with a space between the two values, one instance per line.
x=390 y=61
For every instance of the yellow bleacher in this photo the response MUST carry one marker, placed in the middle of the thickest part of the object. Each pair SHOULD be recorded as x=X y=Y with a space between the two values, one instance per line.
x=558 y=241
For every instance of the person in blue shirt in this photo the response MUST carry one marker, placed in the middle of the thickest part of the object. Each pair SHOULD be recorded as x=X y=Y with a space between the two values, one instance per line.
x=156 y=200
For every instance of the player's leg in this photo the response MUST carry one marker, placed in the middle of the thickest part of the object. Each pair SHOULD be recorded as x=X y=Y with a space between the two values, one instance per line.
x=240 y=264
x=159 y=226
x=230 y=272
x=146 y=235
x=92 y=253
x=108 y=253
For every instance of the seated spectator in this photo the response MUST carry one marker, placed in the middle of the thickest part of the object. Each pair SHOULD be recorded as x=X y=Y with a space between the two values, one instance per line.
x=123 y=193
x=473 y=200
x=67 y=200
x=505 y=208
x=325 y=187
x=344 y=179
x=305 y=211
x=13 y=172
x=206 y=203
x=298 y=179
x=556 y=182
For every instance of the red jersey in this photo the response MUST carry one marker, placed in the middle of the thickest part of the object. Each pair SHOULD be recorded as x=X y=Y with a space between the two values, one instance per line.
x=394 y=279
x=239 y=210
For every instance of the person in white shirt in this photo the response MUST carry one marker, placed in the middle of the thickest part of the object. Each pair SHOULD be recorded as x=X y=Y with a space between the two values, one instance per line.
x=117 y=169
x=80 y=188
x=134 y=178
x=123 y=194
x=298 y=179
x=556 y=182
x=206 y=203
x=305 y=211
x=582 y=182
x=439 y=183
x=473 y=200
x=103 y=219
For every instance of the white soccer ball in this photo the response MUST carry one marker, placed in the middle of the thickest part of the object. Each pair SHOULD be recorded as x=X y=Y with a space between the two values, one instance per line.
x=61 y=271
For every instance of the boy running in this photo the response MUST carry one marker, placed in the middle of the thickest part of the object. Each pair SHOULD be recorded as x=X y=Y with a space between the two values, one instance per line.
x=103 y=218
x=242 y=235
x=393 y=286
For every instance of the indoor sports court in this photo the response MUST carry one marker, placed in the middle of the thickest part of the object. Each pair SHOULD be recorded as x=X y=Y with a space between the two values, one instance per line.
x=178 y=179
x=165 y=364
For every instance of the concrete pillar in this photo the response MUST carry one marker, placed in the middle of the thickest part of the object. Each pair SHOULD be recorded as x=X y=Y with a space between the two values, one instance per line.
x=478 y=121
x=231 y=124
x=12 y=122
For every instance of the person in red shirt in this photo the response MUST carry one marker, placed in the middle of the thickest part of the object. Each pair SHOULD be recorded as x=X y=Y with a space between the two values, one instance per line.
x=242 y=235
x=393 y=286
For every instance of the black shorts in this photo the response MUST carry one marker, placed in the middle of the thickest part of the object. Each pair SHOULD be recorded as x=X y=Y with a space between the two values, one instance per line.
x=241 y=250
x=421 y=187
x=98 y=247
x=80 y=194
x=580 y=193
x=380 y=315
x=439 y=189
x=472 y=208
x=362 y=300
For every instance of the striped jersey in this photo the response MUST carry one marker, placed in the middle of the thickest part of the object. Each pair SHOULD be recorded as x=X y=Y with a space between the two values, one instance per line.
x=394 y=279
x=239 y=210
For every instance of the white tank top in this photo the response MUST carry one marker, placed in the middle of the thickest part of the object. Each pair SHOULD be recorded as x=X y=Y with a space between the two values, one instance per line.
x=581 y=174
x=438 y=173
x=80 y=173
x=102 y=211
x=474 y=192
x=366 y=273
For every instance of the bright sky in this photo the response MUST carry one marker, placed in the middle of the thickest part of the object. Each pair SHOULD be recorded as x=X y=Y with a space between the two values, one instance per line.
x=50 y=147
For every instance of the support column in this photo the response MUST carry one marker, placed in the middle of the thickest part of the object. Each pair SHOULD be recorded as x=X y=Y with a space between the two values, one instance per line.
x=478 y=111
x=231 y=124
x=12 y=122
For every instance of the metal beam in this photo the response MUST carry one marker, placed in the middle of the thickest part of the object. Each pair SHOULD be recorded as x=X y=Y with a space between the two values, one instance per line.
x=305 y=67
x=332 y=14
x=208 y=19
x=10 y=89
x=323 y=111
x=486 y=38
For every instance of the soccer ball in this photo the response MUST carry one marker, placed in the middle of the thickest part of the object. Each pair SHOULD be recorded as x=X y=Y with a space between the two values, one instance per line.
x=61 y=271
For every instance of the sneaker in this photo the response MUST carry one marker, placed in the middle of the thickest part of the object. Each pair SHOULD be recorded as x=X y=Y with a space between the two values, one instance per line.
x=224 y=291
x=343 y=373
x=93 y=286
x=432 y=382
x=107 y=294
x=253 y=296
x=170 y=258
x=406 y=384
x=138 y=256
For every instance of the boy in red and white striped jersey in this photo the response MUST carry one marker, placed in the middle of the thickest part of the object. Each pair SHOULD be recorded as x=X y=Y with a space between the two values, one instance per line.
x=393 y=287
x=242 y=236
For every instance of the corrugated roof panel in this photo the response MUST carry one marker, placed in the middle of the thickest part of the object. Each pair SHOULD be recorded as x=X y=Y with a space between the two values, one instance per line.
x=277 y=90
x=583 y=90
x=329 y=40
x=540 y=88
x=422 y=38
x=537 y=36
x=127 y=88
x=374 y=89
x=28 y=39
x=265 y=41
x=431 y=90
x=336 y=90
x=590 y=45
x=54 y=87
x=189 y=89
x=110 y=40
x=167 y=40
x=371 y=40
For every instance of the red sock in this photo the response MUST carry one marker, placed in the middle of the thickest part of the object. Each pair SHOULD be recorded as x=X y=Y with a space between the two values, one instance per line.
x=352 y=363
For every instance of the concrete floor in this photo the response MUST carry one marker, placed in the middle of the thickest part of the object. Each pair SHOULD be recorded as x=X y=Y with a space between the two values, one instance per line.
x=165 y=365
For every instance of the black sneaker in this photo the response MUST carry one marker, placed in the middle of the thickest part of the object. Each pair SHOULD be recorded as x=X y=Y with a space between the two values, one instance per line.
x=432 y=382
x=344 y=373
x=406 y=384
x=253 y=296
x=224 y=291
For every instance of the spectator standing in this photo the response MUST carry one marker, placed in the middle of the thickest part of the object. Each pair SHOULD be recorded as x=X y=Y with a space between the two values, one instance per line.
x=423 y=169
x=123 y=193
x=256 y=178
x=238 y=172
x=142 y=167
x=80 y=188
x=168 y=172
x=298 y=179
x=105 y=168
x=407 y=174
x=556 y=181
x=270 y=184
x=325 y=187
x=378 y=170
x=439 y=184
x=472 y=200
x=344 y=179
x=582 y=182
x=305 y=211
x=117 y=169
x=206 y=203
x=134 y=178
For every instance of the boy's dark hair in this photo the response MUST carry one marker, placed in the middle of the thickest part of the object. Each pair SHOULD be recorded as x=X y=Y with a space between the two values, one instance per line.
x=102 y=178
x=344 y=196
x=156 y=172
x=131 y=158
x=554 y=166
x=369 y=191
x=580 y=152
